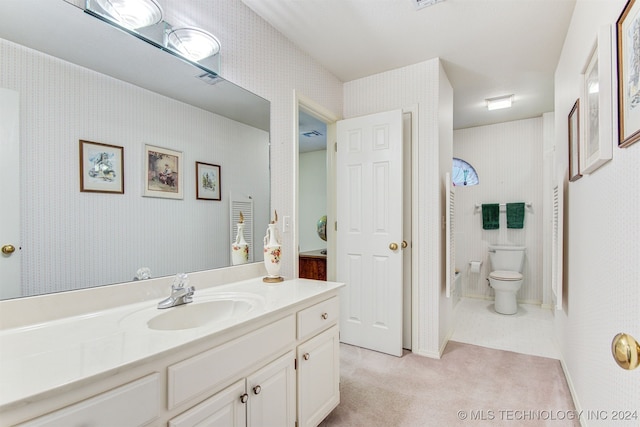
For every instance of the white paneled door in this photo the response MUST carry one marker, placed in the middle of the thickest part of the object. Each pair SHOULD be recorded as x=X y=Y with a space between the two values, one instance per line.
x=369 y=231
x=10 y=194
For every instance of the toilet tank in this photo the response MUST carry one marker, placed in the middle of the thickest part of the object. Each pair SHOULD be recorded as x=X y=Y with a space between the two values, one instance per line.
x=509 y=258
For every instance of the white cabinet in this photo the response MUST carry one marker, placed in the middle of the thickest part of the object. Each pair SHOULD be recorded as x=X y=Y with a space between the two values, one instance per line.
x=224 y=409
x=214 y=368
x=136 y=403
x=278 y=370
x=263 y=399
x=318 y=362
x=272 y=394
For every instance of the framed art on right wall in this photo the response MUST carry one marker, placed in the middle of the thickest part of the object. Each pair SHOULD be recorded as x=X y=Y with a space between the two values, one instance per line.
x=597 y=107
x=628 y=27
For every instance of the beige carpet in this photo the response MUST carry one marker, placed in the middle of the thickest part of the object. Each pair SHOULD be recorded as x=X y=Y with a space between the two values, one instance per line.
x=468 y=386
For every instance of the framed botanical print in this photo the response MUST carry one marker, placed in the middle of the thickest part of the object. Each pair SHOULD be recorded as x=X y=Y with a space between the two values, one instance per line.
x=574 y=142
x=101 y=168
x=207 y=181
x=163 y=175
x=628 y=27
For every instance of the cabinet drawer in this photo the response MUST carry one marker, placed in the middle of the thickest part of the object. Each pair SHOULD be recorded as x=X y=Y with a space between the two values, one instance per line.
x=136 y=403
x=211 y=369
x=317 y=318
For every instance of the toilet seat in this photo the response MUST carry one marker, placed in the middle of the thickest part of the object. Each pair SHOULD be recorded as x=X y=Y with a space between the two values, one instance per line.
x=510 y=276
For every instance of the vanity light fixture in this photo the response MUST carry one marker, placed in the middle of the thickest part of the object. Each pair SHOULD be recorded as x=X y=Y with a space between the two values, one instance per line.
x=499 y=102
x=132 y=14
x=193 y=43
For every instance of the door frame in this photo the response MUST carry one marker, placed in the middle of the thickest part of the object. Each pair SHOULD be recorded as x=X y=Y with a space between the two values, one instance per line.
x=316 y=110
x=415 y=306
x=301 y=102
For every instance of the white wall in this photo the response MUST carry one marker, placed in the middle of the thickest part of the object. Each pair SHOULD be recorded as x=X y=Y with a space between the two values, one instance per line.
x=508 y=160
x=603 y=242
x=425 y=85
x=312 y=179
x=70 y=238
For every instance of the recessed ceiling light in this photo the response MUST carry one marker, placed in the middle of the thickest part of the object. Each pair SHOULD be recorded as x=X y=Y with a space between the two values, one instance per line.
x=499 y=102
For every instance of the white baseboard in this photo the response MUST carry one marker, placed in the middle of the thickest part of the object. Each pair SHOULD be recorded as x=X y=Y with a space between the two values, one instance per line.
x=572 y=390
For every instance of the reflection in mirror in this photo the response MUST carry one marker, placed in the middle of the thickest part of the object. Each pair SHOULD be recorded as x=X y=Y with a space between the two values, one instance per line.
x=94 y=82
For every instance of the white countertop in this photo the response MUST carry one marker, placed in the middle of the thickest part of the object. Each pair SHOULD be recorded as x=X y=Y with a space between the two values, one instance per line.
x=41 y=358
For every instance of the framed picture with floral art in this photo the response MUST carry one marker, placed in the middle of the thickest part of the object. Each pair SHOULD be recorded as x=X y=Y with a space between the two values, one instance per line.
x=207 y=181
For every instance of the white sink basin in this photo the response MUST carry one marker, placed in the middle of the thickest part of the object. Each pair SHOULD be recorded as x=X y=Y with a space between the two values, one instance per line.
x=204 y=310
x=196 y=314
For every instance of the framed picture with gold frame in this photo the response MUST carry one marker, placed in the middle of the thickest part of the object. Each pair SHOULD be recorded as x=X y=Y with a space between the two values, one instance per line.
x=628 y=34
x=101 y=168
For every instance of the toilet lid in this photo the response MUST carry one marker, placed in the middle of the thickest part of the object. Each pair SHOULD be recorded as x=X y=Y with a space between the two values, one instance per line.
x=505 y=275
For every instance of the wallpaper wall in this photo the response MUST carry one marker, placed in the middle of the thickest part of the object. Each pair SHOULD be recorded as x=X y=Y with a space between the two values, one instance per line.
x=603 y=241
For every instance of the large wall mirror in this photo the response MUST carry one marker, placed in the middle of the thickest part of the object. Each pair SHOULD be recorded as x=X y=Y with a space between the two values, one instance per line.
x=78 y=78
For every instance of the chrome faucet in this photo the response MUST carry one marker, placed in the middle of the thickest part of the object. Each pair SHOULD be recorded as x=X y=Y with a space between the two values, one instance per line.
x=180 y=293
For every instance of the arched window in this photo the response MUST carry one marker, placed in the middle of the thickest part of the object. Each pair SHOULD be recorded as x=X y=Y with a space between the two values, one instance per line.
x=463 y=174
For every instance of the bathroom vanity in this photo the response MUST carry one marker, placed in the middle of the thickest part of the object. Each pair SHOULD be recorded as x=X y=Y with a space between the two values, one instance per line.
x=313 y=265
x=241 y=354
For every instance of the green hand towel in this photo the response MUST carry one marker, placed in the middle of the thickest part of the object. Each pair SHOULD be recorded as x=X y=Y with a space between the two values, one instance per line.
x=491 y=216
x=515 y=215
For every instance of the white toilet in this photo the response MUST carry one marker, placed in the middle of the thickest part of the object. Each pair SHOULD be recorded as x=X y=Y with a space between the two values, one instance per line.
x=506 y=277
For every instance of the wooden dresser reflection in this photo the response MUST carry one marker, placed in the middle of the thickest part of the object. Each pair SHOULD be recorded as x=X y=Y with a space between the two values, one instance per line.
x=313 y=265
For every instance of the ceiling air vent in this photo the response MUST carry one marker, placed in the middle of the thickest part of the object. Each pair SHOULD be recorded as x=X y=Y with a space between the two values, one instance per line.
x=210 y=78
x=419 y=4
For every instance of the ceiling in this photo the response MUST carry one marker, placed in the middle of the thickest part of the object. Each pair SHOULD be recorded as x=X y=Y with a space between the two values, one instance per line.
x=488 y=47
x=313 y=133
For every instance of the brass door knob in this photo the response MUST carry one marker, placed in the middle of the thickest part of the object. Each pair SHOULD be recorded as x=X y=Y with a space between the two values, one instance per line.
x=404 y=244
x=8 y=249
x=626 y=351
x=393 y=246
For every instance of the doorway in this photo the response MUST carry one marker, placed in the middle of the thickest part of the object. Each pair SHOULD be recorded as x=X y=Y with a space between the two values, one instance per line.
x=306 y=109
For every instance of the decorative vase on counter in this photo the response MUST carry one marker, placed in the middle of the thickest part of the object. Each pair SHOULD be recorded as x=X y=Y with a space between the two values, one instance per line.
x=272 y=252
x=239 y=247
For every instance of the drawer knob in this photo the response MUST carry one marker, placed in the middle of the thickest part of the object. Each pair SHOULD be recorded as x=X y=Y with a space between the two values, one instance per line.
x=324 y=316
x=244 y=398
x=257 y=389
x=306 y=356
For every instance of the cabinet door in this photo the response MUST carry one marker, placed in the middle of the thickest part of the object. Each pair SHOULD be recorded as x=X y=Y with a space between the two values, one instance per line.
x=136 y=403
x=272 y=394
x=318 y=377
x=224 y=409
